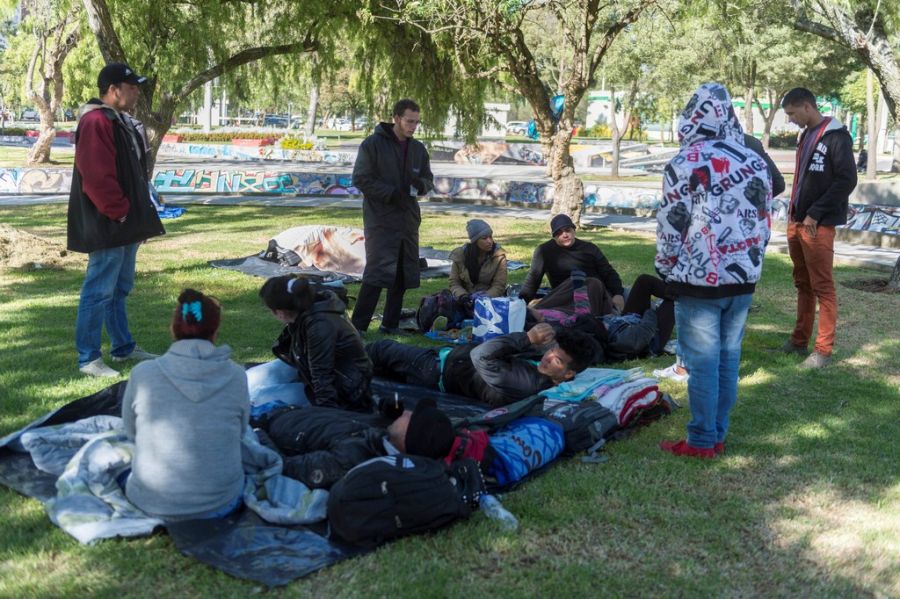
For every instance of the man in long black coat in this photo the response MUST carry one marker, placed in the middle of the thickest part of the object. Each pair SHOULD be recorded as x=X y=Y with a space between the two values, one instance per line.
x=392 y=169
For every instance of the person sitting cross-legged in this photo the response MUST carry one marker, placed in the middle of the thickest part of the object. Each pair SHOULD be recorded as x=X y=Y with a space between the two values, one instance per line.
x=492 y=372
x=186 y=412
x=559 y=258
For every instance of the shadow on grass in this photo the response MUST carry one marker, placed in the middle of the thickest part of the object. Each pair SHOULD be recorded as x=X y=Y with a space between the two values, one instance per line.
x=800 y=442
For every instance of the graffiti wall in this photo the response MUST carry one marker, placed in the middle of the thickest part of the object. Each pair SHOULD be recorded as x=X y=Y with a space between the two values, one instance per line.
x=252 y=181
x=621 y=197
x=487 y=152
x=230 y=152
x=35 y=180
x=860 y=217
x=63 y=139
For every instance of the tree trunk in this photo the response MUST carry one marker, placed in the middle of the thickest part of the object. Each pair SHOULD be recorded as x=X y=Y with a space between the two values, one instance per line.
x=768 y=117
x=568 y=189
x=871 y=45
x=616 y=134
x=871 y=129
x=312 y=110
x=894 y=281
x=749 y=98
x=40 y=151
x=895 y=156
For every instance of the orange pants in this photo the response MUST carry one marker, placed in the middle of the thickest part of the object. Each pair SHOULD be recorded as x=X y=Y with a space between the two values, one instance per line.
x=813 y=258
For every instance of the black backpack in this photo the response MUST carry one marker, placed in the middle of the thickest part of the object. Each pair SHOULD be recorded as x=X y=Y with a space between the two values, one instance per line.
x=586 y=425
x=393 y=496
x=432 y=306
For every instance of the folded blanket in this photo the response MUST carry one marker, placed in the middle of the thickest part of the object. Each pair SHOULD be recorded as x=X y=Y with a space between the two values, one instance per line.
x=624 y=399
x=587 y=381
x=90 y=454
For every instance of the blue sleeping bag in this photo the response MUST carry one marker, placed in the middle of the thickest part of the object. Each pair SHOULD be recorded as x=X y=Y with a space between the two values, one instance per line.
x=524 y=445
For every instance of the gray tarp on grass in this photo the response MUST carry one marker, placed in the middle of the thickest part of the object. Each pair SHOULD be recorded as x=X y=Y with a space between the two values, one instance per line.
x=243 y=545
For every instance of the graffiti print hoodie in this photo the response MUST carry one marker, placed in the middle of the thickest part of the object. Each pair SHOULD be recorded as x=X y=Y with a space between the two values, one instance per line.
x=713 y=222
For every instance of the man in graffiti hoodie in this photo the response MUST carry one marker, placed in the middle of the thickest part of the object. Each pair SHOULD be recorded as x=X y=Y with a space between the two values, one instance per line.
x=712 y=231
x=825 y=176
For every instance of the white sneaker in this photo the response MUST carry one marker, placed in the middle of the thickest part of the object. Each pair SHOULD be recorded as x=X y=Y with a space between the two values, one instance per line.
x=672 y=374
x=136 y=354
x=98 y=368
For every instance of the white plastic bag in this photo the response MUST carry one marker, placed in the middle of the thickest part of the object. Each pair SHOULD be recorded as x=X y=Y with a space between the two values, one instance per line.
x=496 y=316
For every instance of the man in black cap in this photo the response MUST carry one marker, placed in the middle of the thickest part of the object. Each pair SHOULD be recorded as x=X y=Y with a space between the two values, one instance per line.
x=110 y=214
x=559 y=257
x=322 y=444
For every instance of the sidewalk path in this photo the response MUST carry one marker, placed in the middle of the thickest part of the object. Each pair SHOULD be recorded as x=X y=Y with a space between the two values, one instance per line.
x=844 y=253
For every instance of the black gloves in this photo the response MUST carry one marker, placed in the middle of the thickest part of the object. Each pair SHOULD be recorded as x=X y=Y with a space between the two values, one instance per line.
x=466 y=302
x=391 y=407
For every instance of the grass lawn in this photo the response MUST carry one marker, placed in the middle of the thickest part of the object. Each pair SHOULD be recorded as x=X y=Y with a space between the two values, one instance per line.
x=11 y=157
x=806 y=501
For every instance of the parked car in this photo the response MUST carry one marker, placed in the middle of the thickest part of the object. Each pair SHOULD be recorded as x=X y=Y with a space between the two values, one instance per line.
x=30 y=114
x=275 y=120
x=517 y=128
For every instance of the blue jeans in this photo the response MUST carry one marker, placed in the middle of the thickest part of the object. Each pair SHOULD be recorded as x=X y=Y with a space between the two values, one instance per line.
x=273 y=385
x=710 y=332
x=107 y=282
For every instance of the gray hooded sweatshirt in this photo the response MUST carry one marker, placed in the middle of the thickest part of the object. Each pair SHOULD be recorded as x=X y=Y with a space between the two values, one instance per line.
x=186 y=412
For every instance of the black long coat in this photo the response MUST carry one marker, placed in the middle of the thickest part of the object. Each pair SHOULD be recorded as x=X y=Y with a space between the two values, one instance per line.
x=391 y=214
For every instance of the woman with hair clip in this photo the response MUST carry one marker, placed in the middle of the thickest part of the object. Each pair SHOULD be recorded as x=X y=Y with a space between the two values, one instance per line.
x=318 y=347
x=186 y=412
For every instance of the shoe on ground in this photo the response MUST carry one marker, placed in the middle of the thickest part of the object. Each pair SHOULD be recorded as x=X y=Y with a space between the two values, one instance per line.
x=682 y=449
x=790 y=348
x=719 y=448
x=136 y=354
x=98 y=368
x=439 y=324
x=672 y=374
x=390 y=330
x=816 y=360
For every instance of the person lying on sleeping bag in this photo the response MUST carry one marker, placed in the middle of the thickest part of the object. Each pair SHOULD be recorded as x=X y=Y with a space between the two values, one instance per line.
x=318 y=347
x=641 y=328
x=320 y=444
x=492 y=372
x=186 y=412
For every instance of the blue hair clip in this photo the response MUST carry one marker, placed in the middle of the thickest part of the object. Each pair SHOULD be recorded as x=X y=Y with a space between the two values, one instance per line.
x=195 y=308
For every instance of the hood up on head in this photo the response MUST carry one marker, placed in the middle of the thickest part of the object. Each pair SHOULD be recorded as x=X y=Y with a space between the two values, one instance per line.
x=709 y=116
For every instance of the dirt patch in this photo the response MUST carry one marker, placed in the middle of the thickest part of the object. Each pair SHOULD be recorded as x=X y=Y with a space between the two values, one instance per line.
x=23 y=251
x=871 y=285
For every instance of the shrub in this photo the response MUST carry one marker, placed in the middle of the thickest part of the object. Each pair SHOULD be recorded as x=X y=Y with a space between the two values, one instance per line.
x=783 y=141
x=222 y=137
x=598 y=130
x=295 y=143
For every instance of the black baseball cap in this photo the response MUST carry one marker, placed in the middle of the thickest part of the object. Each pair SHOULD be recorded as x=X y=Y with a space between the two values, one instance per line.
x=560 y=222
x=115 y=73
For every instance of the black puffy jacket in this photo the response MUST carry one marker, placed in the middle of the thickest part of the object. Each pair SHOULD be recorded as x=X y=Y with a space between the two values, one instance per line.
x=328 y=354
x=321 y=444
x=391 y=216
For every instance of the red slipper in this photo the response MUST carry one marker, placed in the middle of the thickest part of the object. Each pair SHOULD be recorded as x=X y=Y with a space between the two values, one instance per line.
x=719 y=448
x=681 y=448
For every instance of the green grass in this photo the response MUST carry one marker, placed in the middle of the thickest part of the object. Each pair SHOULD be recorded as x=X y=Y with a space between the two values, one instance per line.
x=806 y=502
x=11 y=157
